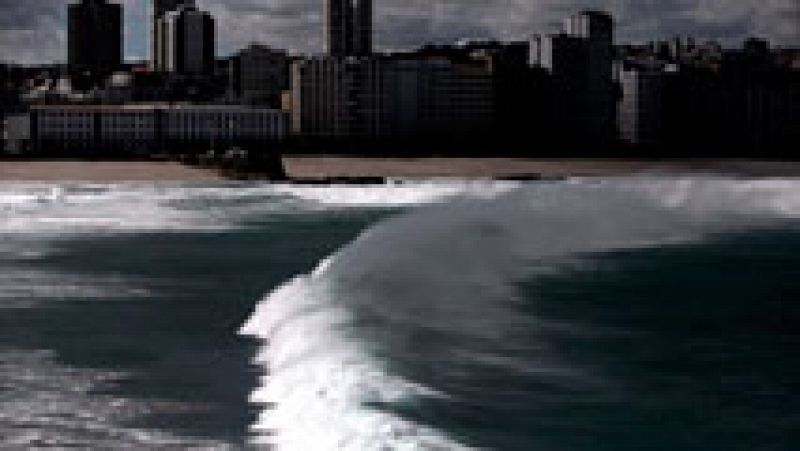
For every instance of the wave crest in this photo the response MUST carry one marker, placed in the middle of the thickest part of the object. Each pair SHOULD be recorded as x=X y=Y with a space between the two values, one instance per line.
x=331 y=337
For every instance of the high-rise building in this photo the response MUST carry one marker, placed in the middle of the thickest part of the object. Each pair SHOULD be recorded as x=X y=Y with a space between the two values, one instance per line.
x=332 y=97
x=643 y=118
x=158 y=9
x=347 y=27
x=580 y=61
x=94 y=36
x=187 y=41
x=507 y=63
x=391 y=97
x=161 y=7
x=595 y=25
x=596 y=30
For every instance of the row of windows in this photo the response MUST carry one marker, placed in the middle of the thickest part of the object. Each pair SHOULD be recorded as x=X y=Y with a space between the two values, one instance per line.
x=219 y=117
x=150 y=134
x=195 y=115
x=65 y=114
x=88 y=138
x=174 y=128
x=125 y=122
x=67 y=136
x=216 y=129
x=247 y=121
x=66 y=125
x=231 y=122
x=61 y=123
x=72 y=122
x=105 y=126
x=123 y=127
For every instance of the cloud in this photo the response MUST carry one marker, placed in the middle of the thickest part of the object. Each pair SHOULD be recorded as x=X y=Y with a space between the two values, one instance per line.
x=295 y=24
x=32 y=31
x=24 y=26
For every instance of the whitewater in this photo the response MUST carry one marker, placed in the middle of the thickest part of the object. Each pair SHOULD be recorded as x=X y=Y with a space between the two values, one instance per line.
x=416 y=315
x=453 y=269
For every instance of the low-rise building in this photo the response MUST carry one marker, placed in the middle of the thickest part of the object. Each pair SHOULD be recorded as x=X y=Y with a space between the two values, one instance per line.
x=187 y=127
x=144 y=128
x=16 y=133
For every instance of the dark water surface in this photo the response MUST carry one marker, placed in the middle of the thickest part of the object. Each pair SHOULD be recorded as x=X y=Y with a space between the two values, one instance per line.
x=643 y=314
x=168 y=333
x=689 y=347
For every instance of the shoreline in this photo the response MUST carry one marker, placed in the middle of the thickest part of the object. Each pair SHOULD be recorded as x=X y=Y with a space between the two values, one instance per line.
x=103 y=171
x=345 y=169
x=524 y=168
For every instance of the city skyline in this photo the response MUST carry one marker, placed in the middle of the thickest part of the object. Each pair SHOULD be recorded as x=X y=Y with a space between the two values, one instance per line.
x=36 y=34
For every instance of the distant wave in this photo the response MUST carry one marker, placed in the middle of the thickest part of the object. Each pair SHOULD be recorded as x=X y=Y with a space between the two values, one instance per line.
x=70 y=208
x=332 y=338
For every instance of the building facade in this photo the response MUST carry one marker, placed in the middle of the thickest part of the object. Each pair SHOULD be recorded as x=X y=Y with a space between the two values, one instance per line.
x=347 y=27
x=742 y=103
x=159 y=8
x=140 y=129
x=643 y=111
x=188 y=41
x=400 y=96
x=580 y=61
x=15 y=130
x=596 y=29
x=334 y=97
x=187 y=127
x=94 y=34
x=258 y=75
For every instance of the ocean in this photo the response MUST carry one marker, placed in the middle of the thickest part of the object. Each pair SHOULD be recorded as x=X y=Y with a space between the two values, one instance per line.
x=634 y=313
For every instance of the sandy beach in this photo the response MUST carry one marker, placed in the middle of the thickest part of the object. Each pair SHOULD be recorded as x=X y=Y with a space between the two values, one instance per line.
x=318 y=168
x=103 y=171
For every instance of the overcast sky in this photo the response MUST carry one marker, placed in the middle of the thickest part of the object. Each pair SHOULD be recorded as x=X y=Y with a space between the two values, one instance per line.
x=33 y=31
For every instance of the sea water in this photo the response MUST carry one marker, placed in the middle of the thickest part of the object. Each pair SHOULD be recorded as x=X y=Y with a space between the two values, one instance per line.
x=636 y=313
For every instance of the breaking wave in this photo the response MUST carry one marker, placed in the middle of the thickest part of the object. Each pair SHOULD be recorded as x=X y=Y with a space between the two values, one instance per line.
x=334 y=339
x=75 y=208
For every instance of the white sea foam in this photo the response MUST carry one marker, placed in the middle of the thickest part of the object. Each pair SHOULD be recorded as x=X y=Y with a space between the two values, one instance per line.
x=46 y=405
x=73 y=208
x=118 y=208
x=319 y=379
x=396 y=192
x=708 y=196
x=25 y=287
x=456 y=265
